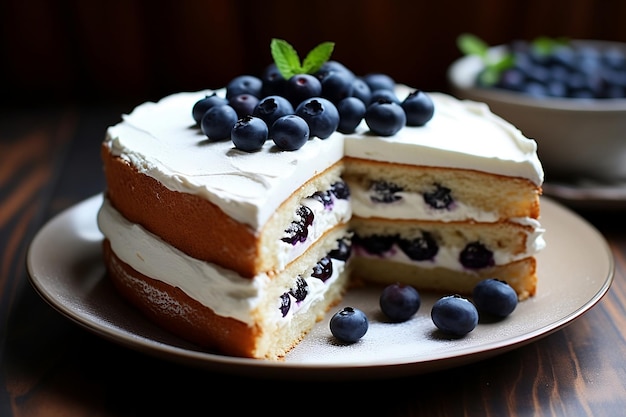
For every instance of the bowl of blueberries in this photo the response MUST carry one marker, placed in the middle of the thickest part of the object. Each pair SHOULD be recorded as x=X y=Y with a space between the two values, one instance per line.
x=567 y=95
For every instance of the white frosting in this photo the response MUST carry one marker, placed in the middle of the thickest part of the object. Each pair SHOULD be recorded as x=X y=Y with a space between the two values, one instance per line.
x=162 y=141
x=224 y=291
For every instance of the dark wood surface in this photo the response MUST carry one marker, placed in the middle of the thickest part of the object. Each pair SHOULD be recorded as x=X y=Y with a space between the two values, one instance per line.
x=50 y=366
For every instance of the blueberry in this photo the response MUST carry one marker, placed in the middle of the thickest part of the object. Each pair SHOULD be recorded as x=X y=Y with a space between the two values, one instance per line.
x=564 y=71
x=361 y=90
x=290 y=132
x=351 y=112
x=419 y=249
x=324 y=197
x=271 y=108
x=320 y=114
x=341 y=190
x=382 y=94
x=217 y=123
x=419 y=108
x=384 y=117
x=285 y=303
x=301 y=289
x=375 y=244
x=475 y=255
x=249 y=134
x=244 y=84
x=305 y=215
x=349 y=324
x=384 y=192
x=296 y=232
x=273 y=81
x=337 y=85
x=333 y=66
x=495 y=297
x=379 y=81
x=302 y=86
x=201 y=106
x=399 y=302
x=243 y=104
x=454 y=315
x=323 y=269
x=343 y=251
x=439 y=198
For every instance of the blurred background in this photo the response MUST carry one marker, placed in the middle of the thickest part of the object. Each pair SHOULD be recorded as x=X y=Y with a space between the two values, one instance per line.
x=131 y=51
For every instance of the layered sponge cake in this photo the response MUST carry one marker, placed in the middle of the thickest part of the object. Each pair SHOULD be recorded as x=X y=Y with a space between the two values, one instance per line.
x=446 y=204
x=242 y=252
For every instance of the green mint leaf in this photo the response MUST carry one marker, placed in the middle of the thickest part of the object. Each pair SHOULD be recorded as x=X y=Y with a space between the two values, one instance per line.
x=317 y=57
x=285 y=57
x=288 y=62
x=489 y=76
x=545 y=45
x=472 y=45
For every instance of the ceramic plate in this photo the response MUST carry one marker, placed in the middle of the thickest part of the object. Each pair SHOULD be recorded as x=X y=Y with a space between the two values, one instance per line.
x=575 y=271
x=588 y=194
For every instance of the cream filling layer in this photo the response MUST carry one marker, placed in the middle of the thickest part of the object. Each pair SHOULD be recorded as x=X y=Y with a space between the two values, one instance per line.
x=325 y=220
x=448 y=256
x=412 y=207
x=222 y=290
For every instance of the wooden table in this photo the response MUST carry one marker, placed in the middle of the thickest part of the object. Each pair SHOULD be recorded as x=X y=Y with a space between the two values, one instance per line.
x=50 y=366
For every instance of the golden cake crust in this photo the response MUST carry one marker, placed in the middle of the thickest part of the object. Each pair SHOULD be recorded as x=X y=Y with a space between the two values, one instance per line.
x=182 y=220
x=179 y=313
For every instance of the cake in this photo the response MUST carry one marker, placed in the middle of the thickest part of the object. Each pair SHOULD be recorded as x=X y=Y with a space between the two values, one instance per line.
x=243 y=252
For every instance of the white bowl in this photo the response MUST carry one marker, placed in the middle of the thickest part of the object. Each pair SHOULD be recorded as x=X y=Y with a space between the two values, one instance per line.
x=577 y=139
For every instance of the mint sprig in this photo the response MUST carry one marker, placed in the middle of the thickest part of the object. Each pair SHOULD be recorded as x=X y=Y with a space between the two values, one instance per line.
x=472 y=45
x=288 y=62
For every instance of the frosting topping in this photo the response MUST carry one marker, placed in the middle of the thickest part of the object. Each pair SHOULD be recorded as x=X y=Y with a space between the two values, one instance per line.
x=161 y=140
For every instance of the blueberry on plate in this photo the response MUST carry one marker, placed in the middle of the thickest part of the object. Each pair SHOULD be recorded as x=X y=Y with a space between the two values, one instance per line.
x=495 y=297
x=454 y=315
x=399 y=302
x=349 y=324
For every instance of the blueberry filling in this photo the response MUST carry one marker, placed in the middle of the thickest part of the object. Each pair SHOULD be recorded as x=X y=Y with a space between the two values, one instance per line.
x=285 y=304
x=374 y=244
x=298 y=229
x=384 y=192
x=296 y=232
x=324 y=197
x=343 y=251
x=476 y=255
x=301 y=289
x=421 y=248
x=439 y=198
x=323 y=269
x=340 y=190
